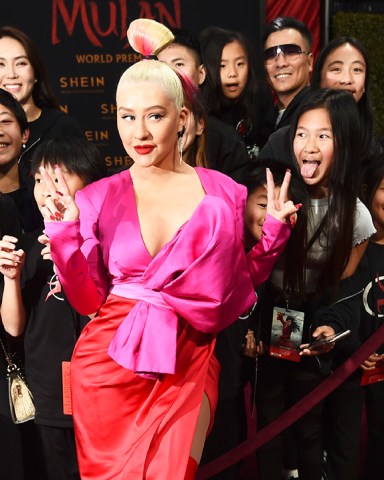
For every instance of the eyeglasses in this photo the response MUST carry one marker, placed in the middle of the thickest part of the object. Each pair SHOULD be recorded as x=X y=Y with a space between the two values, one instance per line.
x=288 y=50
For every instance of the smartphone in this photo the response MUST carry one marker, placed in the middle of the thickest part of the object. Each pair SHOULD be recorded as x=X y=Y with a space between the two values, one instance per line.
x=325 y=341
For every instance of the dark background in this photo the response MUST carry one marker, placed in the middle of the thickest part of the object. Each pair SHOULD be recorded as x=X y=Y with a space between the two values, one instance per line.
x=84 y=45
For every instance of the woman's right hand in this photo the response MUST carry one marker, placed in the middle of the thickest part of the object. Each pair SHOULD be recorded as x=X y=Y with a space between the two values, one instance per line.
x=59 y=205
x=11 y=260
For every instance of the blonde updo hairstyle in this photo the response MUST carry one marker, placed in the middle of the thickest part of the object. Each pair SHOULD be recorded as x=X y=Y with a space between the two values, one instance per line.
x=149 y=37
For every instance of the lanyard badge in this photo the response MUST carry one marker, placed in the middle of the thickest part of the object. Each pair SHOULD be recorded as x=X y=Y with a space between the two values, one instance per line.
x=286 y=334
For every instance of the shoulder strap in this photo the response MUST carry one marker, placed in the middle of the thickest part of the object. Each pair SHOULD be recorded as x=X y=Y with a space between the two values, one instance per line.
x=6 y=354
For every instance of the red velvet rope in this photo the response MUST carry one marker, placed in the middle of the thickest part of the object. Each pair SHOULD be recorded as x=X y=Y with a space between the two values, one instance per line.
x=296 y=411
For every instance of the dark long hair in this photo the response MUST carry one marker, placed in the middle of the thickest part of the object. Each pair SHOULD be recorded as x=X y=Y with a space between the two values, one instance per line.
x=365 y=103
x=373 y=177
x=42 y=93
x=337 y=229
x=212 y=42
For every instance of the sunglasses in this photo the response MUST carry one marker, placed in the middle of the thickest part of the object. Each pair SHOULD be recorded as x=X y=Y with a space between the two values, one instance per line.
x=289 y=49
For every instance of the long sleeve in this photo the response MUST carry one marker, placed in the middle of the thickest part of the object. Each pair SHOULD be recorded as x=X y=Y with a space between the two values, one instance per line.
x=77 y=255
x=263 y=256
x=342 y=312
x=72 y=267
x=227 y=152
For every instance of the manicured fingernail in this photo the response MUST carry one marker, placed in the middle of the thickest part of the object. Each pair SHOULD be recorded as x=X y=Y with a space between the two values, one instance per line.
x=59 y=193
x=298 y=205
x=58 y=215
x=52 y=217
x=288 y=170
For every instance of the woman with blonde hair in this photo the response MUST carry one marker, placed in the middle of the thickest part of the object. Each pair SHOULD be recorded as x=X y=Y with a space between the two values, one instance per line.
x=157 y=252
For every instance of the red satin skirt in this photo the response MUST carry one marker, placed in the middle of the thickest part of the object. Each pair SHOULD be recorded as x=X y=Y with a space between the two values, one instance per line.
x=129 y=427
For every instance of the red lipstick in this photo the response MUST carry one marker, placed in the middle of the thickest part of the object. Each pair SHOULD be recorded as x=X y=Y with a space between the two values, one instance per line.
x=143 y=149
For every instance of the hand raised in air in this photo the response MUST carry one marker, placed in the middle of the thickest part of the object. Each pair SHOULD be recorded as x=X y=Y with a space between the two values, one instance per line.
x=277 y=204
x=59 y=204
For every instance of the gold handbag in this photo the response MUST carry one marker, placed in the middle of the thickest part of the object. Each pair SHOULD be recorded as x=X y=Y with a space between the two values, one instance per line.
x=20 y=397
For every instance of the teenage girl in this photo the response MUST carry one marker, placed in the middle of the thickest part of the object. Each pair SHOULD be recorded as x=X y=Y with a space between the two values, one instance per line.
x=373 y=196
x=343 y=64
x=231 y=89
x=345 y=406
x=325 y=248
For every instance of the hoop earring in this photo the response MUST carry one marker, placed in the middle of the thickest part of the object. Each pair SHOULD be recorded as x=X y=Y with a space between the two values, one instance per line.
x=180 y=141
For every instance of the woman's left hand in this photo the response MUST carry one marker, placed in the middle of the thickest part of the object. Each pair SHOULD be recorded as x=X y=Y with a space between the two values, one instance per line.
x=277 y=204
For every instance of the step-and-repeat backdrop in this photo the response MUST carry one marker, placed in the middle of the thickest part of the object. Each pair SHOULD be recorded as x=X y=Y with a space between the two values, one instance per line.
x=85 y=49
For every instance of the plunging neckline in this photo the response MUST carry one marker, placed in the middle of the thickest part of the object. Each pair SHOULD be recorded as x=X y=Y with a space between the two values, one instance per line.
x=137 y=220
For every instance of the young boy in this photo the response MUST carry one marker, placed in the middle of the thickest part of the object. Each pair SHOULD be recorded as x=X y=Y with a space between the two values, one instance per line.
x=33 y=302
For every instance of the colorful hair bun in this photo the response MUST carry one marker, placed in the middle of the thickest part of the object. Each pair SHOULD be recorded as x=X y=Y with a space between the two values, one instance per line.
x=148 y=37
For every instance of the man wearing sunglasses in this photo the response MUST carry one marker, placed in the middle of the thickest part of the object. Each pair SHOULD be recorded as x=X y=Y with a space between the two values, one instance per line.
x=288 y=63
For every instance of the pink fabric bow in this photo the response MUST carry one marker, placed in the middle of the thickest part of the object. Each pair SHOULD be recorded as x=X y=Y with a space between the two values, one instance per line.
x=202 y=276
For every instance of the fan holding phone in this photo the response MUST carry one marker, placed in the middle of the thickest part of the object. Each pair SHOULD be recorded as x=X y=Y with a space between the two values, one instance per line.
x=324 y=343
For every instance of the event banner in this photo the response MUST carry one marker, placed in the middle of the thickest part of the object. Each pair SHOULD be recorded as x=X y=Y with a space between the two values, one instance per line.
x=85 y=49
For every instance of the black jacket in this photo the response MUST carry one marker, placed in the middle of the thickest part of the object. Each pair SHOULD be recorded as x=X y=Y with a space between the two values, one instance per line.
x=290 y=111
x=227 y=152
x=278 y=146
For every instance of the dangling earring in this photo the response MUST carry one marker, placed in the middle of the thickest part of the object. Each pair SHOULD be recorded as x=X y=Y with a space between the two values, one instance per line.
x=24 y=145
x=180 y=141
x=180 y=149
